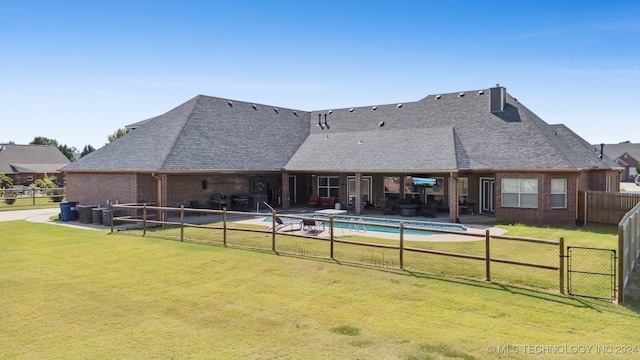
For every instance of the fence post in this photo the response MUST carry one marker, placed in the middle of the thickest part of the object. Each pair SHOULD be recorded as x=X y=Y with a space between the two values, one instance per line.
x=562 y=256
x=487 y=255
x=224 y=226
x=331 y=235
x=181 y=222
x=273 y=230
x=621 y=260
x=144 y=219
x=33 y=195
x=401 y=244
x=111 y=215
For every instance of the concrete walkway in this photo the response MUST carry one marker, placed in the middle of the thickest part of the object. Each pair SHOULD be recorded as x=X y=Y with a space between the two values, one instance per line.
x=42 y=216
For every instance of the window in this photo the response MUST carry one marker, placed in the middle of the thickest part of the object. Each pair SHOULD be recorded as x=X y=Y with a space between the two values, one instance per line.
x=558 y=193
x=328 y=186
x=463 y=190
x=437 y=189
x=391 y=186
x=365 y=187
x=521 y=193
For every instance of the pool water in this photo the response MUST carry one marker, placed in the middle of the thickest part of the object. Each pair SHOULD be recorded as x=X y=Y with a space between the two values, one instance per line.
x=395 y=222
x=371 y=221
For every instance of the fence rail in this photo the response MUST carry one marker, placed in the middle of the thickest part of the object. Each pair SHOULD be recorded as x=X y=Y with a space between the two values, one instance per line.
x=521 y=261
x=22 y=195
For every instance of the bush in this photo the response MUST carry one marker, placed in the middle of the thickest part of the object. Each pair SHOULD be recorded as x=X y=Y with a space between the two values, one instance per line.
x=56 y=194
x=10 y=196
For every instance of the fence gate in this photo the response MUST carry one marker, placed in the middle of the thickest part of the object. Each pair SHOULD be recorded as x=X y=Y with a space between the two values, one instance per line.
x=591 y=272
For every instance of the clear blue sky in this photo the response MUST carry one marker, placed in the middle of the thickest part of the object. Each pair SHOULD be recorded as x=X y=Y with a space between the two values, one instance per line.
x=76 y=71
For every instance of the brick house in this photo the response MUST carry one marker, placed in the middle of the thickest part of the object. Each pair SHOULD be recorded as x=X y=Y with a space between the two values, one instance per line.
x=482 y=150
x=626 y=155
x=27 y=163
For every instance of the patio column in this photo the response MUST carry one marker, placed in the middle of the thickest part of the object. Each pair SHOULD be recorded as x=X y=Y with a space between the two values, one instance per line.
x=357 y=204
x=285 y=191
x=453 y=198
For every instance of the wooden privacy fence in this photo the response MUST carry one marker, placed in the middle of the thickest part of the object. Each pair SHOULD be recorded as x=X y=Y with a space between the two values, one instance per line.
x=628 y=248
x=532 y=262
x=604 y=207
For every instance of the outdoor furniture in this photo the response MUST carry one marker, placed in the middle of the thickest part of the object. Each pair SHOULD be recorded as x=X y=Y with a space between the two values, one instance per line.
x=331 y=212
x=328 y=201
x=313 y=201
x=281 y=225
x=388 y=207
x=311 y=224
x=219 y=202
x=429 y=209
x=408 y=209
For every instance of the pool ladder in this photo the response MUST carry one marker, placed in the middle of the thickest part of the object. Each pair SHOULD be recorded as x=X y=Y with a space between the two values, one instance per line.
x=358 y=227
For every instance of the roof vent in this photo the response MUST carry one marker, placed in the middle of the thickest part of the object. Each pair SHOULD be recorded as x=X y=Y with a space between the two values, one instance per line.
x=351 y=110
x=230 y=103
x=275 y=109
x=438 y=96
x=374 y=108
x=330 y=111
x=399 y=106
x=360 y=142
x=481 y=92
x=254 y=107
x=381 y=124
x=461 y=94
x=295 y=113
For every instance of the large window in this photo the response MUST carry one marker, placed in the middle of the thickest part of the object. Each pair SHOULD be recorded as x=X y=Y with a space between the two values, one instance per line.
x=558 y=193
x=365 y=187
x=328 y=186
x=521 y=193
x=437 y=189
x=463 y=190
x=391 y=187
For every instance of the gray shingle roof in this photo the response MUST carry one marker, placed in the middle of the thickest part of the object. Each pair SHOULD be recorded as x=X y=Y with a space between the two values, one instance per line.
x=614 y=151
x=204 y=134
x=31 y=159
x=438 y=133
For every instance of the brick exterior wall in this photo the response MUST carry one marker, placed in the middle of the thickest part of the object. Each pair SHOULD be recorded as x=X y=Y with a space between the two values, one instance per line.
x=23 y=178
x=94 y=189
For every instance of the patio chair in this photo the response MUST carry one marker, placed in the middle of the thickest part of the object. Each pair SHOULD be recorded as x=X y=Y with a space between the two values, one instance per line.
x=311 y=224
x=313 y=201
x=281 y=225
x=328 y=202
x=388 y=207
x=429 y=209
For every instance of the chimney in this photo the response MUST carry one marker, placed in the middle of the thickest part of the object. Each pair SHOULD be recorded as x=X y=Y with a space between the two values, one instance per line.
x=497 y=98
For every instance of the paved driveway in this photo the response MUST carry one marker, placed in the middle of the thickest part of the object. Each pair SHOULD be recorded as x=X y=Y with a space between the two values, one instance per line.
x=42 y=216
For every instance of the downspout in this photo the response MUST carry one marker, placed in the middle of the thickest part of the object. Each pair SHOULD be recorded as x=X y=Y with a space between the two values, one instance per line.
x=160 y=214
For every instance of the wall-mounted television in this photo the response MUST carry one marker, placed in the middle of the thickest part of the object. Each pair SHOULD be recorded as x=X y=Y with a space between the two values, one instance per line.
x=420 y=181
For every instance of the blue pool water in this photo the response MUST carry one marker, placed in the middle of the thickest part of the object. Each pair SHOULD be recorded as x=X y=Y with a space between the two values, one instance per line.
x=368 y=224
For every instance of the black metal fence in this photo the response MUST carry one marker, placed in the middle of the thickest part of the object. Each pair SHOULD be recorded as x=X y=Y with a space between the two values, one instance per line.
x=481 y=255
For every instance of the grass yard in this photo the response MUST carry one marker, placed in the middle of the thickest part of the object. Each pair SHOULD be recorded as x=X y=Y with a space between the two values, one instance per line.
x=26 y=203
x=78 y=294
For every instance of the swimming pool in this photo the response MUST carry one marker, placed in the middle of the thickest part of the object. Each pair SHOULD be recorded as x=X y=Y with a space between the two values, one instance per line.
x=364 y=224
x=368 y=224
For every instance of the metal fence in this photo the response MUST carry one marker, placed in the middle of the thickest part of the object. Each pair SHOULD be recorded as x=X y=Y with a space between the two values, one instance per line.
x=521 y=261
x=628 y=248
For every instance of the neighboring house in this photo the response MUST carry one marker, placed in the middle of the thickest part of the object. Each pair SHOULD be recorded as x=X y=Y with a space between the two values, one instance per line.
x=26 y=163
x=626 y=155
x=482 y=150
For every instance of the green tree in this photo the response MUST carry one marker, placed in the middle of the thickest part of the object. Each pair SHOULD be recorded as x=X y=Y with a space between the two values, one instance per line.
x=5 y=179
x=45 y=182
x=118 y=134
x=41 y=140
x=88 y=149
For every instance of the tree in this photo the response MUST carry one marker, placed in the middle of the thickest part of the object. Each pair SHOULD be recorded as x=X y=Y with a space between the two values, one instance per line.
x=88 y=149
x=118 y=134
x=41 y=140
x=45 y=182
x=5 y=179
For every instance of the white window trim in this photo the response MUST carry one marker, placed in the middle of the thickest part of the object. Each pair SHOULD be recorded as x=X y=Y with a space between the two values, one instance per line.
x=519 y=193
x=558 y=193
x=328 y=187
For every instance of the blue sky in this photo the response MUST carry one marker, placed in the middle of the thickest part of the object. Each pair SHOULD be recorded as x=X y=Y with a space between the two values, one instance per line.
x=76 y=71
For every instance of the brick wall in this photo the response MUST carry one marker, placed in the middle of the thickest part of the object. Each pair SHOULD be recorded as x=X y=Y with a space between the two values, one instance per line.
x=94 y=189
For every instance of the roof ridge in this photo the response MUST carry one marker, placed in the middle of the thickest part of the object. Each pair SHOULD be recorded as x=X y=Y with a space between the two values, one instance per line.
x=179 y=133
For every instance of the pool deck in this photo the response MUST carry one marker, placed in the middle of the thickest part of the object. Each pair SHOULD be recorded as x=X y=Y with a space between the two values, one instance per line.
x=475 y=224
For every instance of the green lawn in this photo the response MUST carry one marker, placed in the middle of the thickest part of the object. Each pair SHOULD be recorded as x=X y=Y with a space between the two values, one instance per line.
x=27 y=203
x=78 y=294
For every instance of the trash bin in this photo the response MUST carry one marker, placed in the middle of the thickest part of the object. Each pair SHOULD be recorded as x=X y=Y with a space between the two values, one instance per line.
x=68 y=210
